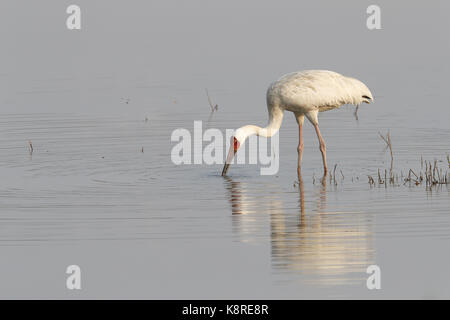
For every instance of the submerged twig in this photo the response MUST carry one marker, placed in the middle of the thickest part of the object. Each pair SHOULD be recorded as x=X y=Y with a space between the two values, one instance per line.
x=334 y=174
x=31 y=147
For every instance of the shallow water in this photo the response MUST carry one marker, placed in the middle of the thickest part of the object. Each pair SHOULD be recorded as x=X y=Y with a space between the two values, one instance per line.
x=99 y=189
x=88 y=195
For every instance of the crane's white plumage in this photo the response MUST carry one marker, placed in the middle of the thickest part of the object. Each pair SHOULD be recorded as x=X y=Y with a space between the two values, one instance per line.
x=306 y=93
x=317 y=89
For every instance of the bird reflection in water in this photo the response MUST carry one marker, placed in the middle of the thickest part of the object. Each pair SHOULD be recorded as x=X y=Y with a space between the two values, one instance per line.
x=246 y=221
x=324 y=247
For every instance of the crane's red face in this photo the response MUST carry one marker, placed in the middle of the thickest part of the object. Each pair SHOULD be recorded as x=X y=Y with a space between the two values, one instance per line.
x=234 y=146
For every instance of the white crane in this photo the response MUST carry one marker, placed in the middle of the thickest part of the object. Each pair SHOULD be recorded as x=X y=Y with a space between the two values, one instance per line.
x=305 y=93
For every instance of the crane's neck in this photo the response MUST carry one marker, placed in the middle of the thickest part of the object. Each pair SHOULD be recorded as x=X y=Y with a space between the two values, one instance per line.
x=275 y=120
x=273 y=126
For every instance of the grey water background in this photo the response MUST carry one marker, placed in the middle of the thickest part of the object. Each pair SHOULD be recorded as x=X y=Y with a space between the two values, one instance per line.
x=141 y=227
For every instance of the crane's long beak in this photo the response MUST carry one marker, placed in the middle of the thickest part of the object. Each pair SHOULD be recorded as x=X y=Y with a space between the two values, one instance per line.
x=225 y=169
x=233 y=149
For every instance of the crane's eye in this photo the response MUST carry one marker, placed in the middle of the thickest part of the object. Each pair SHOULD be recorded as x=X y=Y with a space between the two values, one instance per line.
x=235 y=145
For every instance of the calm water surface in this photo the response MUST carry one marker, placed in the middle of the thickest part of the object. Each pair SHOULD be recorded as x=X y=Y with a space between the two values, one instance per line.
x=100 y=190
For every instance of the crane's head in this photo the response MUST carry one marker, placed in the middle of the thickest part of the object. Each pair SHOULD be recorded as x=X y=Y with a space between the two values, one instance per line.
x=236 y=141
x=234 y=146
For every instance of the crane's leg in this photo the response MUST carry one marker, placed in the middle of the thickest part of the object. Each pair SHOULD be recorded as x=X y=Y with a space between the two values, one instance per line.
x=300 y=119
x=313 y=118
x=323 y=149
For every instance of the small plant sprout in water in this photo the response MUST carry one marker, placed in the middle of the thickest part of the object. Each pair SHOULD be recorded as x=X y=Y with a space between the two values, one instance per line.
x=429 y=174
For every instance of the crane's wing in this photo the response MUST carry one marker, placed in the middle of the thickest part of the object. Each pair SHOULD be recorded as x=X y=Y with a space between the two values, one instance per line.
x=320 y=89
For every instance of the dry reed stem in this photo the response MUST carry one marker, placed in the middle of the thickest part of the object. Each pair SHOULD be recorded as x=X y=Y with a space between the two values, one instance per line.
x=388 y=141
x=213 y=107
